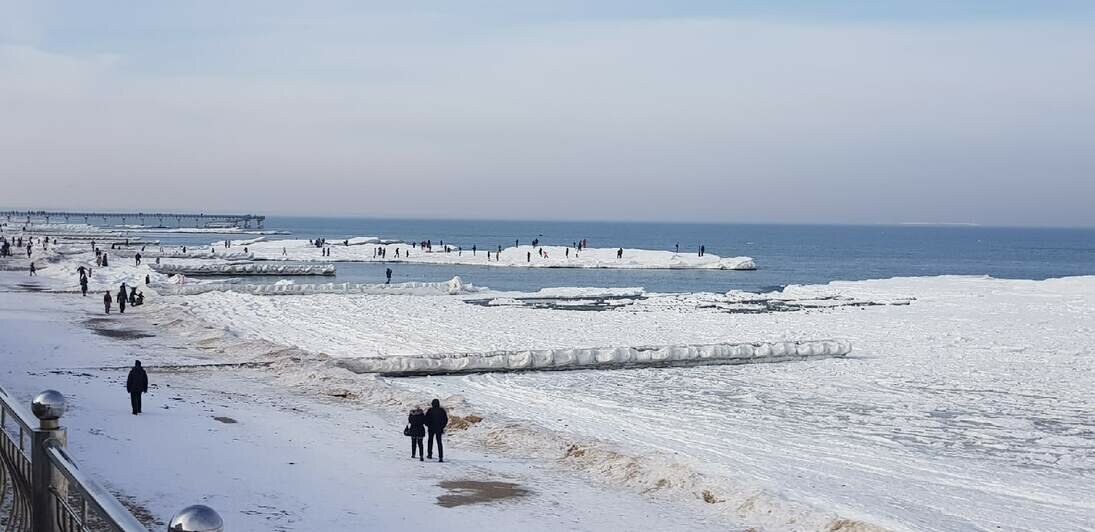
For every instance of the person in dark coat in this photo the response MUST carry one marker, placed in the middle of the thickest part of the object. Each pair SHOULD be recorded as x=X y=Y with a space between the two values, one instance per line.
x=136 y=384
x=83 y=285
x=436 y=421
x=388 y=272
x=416 y=429
x=107 y=301
x=121 y=299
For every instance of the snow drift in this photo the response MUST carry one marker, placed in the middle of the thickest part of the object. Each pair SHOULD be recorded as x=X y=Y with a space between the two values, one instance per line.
x=598 y=358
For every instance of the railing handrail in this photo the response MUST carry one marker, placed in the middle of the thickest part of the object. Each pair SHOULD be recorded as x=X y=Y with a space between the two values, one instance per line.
x=8 y=404
x=118 y=517
x=44 y=476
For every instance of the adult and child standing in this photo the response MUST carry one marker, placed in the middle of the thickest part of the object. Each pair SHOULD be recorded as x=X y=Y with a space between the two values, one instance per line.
x=431 y=423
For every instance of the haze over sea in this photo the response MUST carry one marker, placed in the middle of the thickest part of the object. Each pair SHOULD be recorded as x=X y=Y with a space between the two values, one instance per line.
x=785 y=254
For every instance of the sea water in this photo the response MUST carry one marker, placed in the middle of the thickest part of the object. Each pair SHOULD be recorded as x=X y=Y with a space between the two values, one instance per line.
x=785 y=254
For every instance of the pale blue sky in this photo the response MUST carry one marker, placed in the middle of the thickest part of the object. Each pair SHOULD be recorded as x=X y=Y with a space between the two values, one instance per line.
x=867 y=111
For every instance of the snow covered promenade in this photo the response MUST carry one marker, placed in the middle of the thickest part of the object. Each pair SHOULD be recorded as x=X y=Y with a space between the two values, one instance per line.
x=364 y=249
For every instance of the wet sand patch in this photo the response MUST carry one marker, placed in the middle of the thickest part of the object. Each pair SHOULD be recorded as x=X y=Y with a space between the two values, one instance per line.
x=99 y=326
x=464 y=492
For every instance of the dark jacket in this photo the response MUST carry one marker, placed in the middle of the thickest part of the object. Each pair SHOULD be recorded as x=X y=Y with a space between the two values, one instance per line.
x=417 y=421
x=137 y=381
x=437 y=419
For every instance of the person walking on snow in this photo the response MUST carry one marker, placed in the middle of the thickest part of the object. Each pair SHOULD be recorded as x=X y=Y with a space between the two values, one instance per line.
x=83 y=285
x=137 y=258
x=33 y=270
x=106 y=301
x=136 y=384
x=416 y=429
x=436 y=421
x=121 y=299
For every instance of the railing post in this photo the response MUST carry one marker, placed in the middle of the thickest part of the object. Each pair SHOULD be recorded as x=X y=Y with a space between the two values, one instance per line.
x=48 y=407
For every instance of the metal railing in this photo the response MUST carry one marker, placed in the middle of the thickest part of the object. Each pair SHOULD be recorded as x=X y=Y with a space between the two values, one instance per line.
x=42 y=489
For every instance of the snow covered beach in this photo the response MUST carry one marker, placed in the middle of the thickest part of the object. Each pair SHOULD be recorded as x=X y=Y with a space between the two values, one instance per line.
x=964 y=405
x=949 y=392
x=278 y=460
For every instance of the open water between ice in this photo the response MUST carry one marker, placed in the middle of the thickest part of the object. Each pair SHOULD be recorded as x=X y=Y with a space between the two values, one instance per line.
x=785 y=254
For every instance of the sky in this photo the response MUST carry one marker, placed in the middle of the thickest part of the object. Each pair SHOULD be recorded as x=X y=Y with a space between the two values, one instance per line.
x=737 y=111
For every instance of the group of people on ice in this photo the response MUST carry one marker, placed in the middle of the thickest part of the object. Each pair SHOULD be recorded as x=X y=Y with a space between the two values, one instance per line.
x=17 y=241
x=132 y=296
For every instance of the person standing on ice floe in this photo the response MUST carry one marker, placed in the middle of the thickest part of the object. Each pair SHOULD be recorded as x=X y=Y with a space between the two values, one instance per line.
x=416 y=429
x=137 y=259
x=107 y=301
x=136 y=384
x=33 y=270
x=620 y=253
x=702 y=250
x=83 y=285
x=388 y=274
x=436 y=421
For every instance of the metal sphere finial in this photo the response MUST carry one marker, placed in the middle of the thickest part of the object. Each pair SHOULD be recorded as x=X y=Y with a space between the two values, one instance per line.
x=196 y=518
x=48 y=405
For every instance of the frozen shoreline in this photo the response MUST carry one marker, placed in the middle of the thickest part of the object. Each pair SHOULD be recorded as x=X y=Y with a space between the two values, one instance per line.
x=961 y=388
